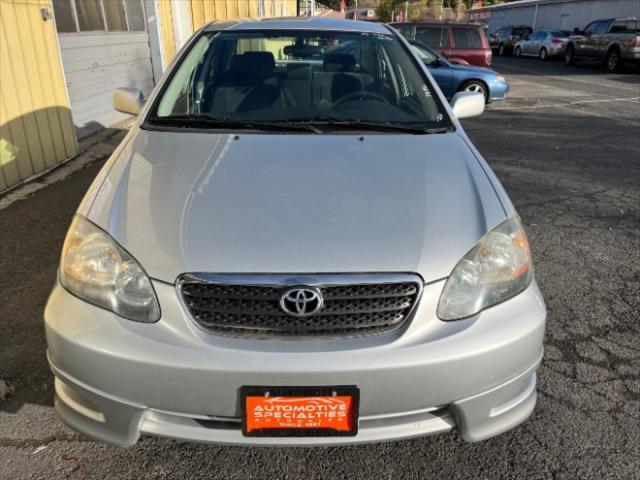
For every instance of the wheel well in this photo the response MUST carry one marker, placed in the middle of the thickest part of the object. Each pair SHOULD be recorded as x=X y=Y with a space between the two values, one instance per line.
x=613 y=47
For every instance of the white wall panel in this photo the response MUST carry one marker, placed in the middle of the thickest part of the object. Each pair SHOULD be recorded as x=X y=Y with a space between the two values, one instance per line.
x=562 y=14
x=95 y=63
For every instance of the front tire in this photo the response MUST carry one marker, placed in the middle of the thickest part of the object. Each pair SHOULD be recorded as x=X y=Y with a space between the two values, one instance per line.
x=543 y=55
x=613 y=61
x=475 y=86
x=518 y=52
x=570 y=55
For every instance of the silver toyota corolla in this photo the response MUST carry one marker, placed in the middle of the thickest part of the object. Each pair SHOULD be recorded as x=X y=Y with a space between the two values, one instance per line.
x=295 y=244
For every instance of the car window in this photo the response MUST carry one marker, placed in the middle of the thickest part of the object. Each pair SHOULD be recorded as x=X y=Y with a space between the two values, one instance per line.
x=280 y=76
x=625 y=26
x=467 y=38
x=405 y=30
x=591 y=27
x=603 y=25
x=522 y=31
x=425 y=54
x=435 y=37
x=599 y=26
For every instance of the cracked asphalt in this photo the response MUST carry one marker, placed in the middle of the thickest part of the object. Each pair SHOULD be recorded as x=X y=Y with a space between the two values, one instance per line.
x=566 y=146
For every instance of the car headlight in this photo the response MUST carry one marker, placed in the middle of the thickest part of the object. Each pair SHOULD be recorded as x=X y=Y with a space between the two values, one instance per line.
x=496 y=269
x=98 y=270
x=500 y=79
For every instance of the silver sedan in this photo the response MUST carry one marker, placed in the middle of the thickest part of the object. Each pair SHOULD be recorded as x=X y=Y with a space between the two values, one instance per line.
x=543 y=44
x=296 y=244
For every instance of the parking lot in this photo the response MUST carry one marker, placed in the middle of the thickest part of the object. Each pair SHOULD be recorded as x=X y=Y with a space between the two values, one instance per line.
x=566 y=146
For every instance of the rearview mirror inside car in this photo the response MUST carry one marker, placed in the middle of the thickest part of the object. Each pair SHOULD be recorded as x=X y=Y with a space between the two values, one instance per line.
x=467 y=104
x=128 y=100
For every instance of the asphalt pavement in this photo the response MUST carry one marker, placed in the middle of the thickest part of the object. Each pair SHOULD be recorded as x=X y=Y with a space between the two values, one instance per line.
x=566 y=146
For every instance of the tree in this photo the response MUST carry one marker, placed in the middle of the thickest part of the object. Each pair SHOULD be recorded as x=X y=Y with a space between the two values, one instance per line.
x=384 y=10
x=415 y=13
x=332 y=4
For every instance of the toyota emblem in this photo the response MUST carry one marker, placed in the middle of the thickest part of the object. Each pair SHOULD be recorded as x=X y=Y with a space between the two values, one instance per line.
x=301 y=301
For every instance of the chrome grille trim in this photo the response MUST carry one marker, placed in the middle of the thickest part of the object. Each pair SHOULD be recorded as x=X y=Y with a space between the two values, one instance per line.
x=248 y=304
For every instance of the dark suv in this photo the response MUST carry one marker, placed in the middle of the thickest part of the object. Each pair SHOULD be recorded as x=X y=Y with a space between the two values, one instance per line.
x=464 y=43
x=504 y=39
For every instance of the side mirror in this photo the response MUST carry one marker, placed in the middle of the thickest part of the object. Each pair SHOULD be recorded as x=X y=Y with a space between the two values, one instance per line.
x=128 y=100
x=467 y=104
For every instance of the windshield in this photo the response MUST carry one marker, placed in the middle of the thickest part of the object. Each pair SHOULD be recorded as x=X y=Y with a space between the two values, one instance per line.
x=521 y=31
x=299 y=76
x=426 y=55
x=561 y=34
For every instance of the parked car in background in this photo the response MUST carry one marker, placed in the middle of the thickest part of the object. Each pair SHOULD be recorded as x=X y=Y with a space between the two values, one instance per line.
x=464 y=43
x=504 y=39
x=453 y=78
x=543 y=44
x=613 y=40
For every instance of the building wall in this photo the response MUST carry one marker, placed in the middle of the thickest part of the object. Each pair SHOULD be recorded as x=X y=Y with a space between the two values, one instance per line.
x=36 y=131
x=167 y=38
x=95 y=63
x=153 y=29
x=174 y=32
x=572 y=15
x=563 y=15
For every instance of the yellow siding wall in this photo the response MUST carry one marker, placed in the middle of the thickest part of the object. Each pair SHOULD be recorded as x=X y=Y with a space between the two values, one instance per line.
x=36 y=129
x=166 y=24
x=203 y=11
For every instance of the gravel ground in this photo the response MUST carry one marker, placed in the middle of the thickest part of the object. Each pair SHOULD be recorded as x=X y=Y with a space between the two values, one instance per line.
x=566 y=146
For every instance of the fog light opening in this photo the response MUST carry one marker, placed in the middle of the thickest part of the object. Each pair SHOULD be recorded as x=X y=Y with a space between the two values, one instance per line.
x=78 y=402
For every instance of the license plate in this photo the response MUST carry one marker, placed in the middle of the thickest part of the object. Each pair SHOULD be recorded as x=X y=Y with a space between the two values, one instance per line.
x=299 y=411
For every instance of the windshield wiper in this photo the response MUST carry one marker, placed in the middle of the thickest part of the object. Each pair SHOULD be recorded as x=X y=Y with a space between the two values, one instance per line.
x=358 y=124
x=207 y=121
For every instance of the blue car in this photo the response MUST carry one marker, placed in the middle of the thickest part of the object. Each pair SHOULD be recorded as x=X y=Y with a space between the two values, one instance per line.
x=453 y=77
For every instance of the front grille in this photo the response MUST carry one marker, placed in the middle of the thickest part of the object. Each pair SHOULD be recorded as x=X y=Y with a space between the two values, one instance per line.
x=351 y=304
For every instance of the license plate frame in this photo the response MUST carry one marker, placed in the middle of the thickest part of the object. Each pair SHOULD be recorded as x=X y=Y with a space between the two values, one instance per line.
x=325 y=395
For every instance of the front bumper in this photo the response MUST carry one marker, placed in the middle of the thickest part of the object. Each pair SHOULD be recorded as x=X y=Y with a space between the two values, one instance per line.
x=498 y=91
x=117 y=379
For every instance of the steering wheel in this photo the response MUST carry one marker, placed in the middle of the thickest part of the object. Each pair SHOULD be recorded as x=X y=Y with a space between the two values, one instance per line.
x=361 y=96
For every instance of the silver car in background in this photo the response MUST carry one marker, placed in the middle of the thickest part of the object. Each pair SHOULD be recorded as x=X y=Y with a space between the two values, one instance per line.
x=543 y=44
x=295 y=244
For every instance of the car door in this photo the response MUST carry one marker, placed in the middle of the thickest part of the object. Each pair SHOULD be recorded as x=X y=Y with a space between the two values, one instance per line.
x=530 y=45
x=600 y=38
x=467 y=44
x=586 y=45
x=440 y=71
x=543 y=38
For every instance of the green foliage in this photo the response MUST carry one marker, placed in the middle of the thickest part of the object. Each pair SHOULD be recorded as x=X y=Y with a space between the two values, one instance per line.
x=415 y=13
x=332 y=4
x=385 y=7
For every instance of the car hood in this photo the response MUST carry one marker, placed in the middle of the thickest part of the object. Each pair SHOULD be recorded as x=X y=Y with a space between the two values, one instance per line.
x=471 y=69
x=253 y=203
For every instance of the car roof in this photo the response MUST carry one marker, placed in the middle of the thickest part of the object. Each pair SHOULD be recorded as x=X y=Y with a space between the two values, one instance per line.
x=438 y=22
x=300 y=23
